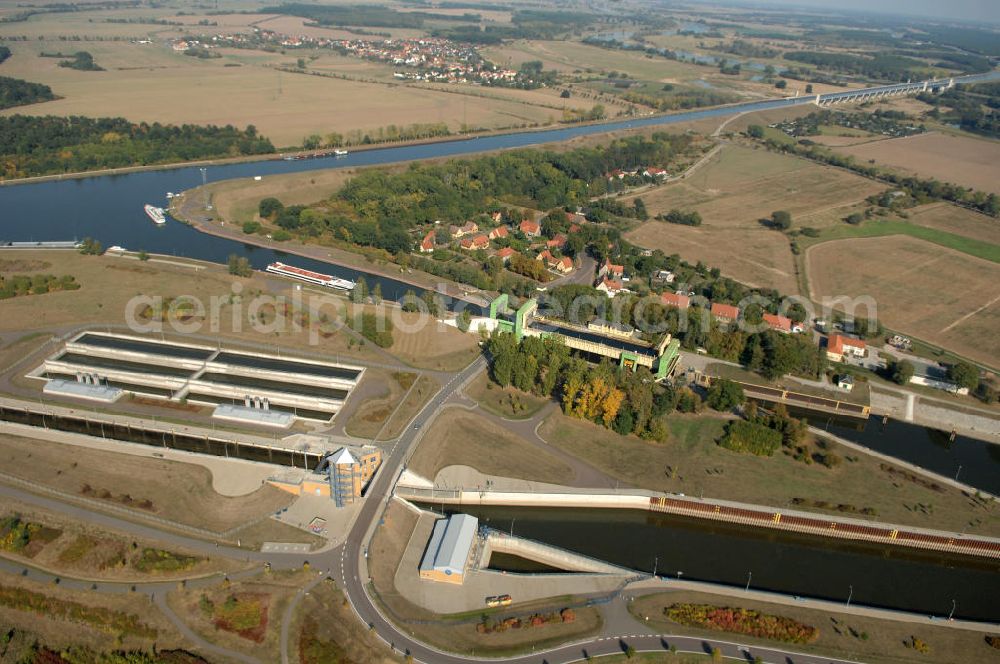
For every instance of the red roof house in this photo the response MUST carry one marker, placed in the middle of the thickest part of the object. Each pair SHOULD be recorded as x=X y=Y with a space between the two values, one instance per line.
x=676 y=300
x=725 y=312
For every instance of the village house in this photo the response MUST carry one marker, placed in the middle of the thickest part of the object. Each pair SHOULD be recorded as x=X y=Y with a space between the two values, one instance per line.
x=427 y=244
x=837 y=346
x=505 y=254
x=664 y=277
x=725 y=313
x=468 y=228
x=496 y=217
x=611 y=271
x=474 y=243
x=499 y=232
x=655 y=173
x=676 y=300
x=778 y=323
x=612 y=288
x=558 y=242
x=530 y=228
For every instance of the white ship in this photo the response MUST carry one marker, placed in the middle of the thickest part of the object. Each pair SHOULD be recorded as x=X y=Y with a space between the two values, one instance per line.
x=156 y=214
x=317 y=278
x=340 y=153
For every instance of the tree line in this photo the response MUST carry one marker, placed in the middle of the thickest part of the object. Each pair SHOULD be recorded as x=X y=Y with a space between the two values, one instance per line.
x=16 y=92
x=42 y=145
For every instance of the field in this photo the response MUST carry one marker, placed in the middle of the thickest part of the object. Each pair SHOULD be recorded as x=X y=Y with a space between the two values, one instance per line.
x=956 y=220
x=150 y=82
x=840 y=634
x=969 y=162
x=936 y=294
x=737 y=188
x=507 y=402
x=692 y=463
x=458 y=438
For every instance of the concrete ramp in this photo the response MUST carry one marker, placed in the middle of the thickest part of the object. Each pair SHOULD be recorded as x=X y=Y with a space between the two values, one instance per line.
x=498 y=542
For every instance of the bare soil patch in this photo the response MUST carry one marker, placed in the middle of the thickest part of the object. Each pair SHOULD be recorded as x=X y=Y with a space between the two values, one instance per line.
x=936 y=294
x=970 y=162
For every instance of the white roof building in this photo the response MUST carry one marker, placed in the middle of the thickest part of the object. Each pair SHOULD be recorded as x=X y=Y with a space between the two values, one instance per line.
x=449 y=547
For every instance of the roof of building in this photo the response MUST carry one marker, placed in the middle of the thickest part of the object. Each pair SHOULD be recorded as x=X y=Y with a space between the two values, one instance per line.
x=450 y=543
x=505 y=252
x=612 y=285
x=725 y=311
x=676 y=300
x=529 y=226
x=343 y=457
x=778 y=322
x=837 y=342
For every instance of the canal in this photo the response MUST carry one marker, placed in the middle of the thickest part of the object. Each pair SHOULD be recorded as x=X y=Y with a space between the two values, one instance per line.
x=887 y=577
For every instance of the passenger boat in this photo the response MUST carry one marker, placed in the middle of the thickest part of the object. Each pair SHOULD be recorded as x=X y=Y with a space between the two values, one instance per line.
x=317 y=278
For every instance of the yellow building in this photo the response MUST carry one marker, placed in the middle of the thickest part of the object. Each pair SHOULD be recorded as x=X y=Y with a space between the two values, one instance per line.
x=452 y=542
x=342 y=476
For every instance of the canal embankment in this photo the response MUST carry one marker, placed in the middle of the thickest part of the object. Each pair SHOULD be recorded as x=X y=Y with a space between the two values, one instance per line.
x=753 y=517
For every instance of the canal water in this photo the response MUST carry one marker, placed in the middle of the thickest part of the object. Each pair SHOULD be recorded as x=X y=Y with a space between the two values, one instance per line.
x=972 y=461
x=888 y=577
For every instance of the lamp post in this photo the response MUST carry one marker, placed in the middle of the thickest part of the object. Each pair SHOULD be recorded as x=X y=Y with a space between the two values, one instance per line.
x=850 y=594
x=749 y=576
x=656 y=562
x=952 y=613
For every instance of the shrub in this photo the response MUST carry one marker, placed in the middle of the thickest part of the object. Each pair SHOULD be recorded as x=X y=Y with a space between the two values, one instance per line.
x=742 y=621
x=751 y=438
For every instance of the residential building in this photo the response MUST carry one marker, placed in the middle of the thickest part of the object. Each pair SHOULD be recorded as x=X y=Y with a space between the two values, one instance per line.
x=664 y=277
x=468 y=228
x=427 y=244
x=612 y=288
x=505 y=254
x=837 y=346
x=446 y=558
x=474 y=243
x=845 y=382
x=676 y=300
x=499 y=232
x=557 y=242
x=778 y=323
x=725 y=313
x=611 y=270
x=655 y=173
x=530 y=228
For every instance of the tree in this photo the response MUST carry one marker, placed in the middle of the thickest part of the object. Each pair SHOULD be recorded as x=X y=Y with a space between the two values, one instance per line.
x=143 y=255
x=964 y=374
x=725 y=394
x=902 y=371
x=312 y=142
x=464 y=320
x=716 y=655
x=809 y=89
x=91 y=247
x=239 y=266
x=377 y=293
x=781 y=84
x=854 y=218
x=781 y=220
x=564 y=94
x=629 y=651
x=268 y=207
x=360 y=291
x=410 y=302
x=755 y=131
x=301 y=63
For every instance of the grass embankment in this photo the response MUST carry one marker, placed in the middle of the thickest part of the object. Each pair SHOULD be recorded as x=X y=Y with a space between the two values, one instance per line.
x=508 y=402
x=457 y=632
x=691 y=462
x=458 y=437
x=840 y=635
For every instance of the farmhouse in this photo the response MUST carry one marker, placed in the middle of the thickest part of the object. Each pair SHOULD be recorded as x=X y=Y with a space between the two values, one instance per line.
x=468 y=228
x=530 y=228
x=505 y=254
x=474 y=243
x=612 y=288
x=427 y=244
x=837 y=346
x=676 y=300
x=778 y=323
x=725 y=313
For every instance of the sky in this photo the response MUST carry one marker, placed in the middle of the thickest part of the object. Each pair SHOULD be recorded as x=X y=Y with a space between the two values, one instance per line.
x=967 y=10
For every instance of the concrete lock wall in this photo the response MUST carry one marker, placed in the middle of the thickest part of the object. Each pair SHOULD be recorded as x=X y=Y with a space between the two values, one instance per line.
x=547 y=555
